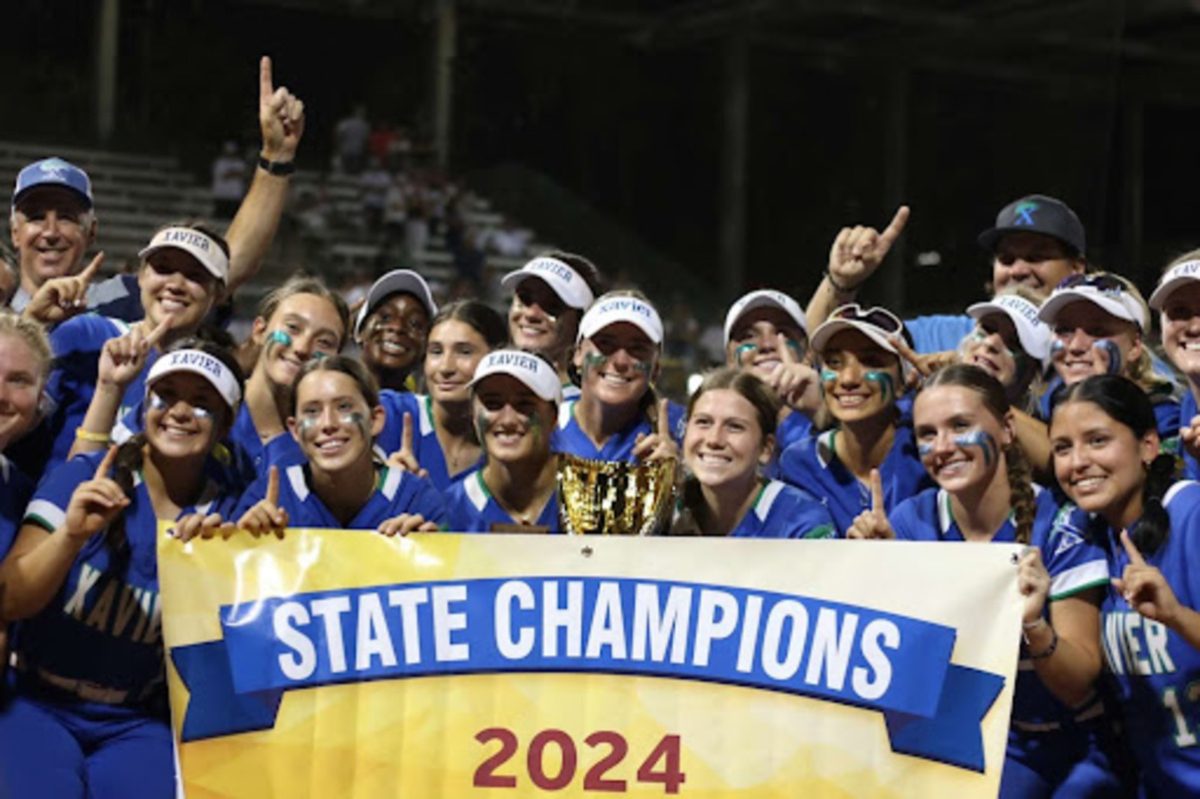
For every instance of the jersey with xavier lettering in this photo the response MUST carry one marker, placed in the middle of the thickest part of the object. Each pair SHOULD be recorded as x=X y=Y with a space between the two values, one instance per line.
x=471 y=508
x=15 y=491
x=426 y=447
x=570 y=438
x=813 y=465
x=103 y=625
x=1075 y=564
x=1157 y=673
x=396 y=492
x=784 y=511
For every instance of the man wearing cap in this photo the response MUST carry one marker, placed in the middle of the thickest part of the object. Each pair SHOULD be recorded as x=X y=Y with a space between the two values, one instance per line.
x=53 y=222
x=1036 y=242
x=550 y=294
x=1177 y=300
x=766 y=333
x=392 y=326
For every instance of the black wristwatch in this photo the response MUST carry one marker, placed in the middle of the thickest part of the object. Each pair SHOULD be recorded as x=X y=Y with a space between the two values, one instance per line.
x=279 y=169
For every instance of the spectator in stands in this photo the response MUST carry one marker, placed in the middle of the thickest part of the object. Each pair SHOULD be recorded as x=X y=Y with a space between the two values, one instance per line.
x=350 y=136
x=228 y=181
x=550 y=294
x=392 y=326
x=373 y=186
x=1036 y=242
x=1177 y=299
x=89 y=712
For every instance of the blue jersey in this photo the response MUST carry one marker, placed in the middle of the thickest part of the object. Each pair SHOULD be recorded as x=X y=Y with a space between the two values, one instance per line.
x=426 y=447
x=1074 y=563
x=938 y=333
x=397 y=492
x=1156 y=671
x=1187 y=412
x=471 y=508
x=76 y=345
x=794 y=427
x=248 y=447
x=813 y=465
x=570 y=438
x=784 y=511
x=102 y=626
x=1167 y=412
x=15 y=491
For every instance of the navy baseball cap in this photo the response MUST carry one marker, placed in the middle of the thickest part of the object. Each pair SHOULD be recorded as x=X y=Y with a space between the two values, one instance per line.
x=53 y=172
x=1037 y=213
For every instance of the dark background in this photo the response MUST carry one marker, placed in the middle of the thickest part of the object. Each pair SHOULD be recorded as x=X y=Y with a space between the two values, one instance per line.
x=954 y=107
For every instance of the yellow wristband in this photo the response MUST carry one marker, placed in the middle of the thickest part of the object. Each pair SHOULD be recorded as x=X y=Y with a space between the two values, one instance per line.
x=88 y=435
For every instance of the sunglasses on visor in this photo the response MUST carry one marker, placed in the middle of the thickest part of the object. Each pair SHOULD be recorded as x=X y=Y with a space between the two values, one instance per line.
x=877 y=317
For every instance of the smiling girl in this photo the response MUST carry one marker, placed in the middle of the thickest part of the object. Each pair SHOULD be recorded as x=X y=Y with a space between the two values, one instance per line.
x=1177 y=299
x=730 y=439
x=1107 y=460
x=861 y=373
x=89 y=712
x=966 y=437
x=438 y=426
x=617 y=416
x=335 y=415
x=515 y=397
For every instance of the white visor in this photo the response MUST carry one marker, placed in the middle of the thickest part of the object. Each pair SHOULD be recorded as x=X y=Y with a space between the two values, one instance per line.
x=1175 y=277
x=533 y=371
x=1032 y=332
x=609 y=311
x=195 y=243
x=764 y=298
x=200 y=363
x=1121 y=304
x=568 y=284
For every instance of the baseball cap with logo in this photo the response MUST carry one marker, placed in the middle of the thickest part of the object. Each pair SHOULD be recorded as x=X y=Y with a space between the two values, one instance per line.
x=196 y=243
x=1037 y=213
x=53 y=172
x=532 y=370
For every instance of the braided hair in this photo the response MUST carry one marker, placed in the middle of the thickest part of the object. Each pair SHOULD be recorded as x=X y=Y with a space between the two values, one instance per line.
x=995 y=398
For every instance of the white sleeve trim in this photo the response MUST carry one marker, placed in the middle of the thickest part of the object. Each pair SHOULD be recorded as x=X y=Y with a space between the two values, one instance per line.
x=1085 y=575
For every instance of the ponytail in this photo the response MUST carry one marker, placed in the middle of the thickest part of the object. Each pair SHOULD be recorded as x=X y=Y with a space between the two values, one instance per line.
x=1150 y=531
x=1020 y=488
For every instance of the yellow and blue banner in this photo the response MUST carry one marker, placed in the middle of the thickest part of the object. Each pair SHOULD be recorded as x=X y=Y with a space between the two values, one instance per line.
x=342 y=663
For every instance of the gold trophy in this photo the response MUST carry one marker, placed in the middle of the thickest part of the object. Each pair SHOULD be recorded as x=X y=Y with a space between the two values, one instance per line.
x=613 y=498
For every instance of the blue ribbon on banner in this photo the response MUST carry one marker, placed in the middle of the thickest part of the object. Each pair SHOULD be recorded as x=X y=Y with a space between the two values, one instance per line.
x=881 y=661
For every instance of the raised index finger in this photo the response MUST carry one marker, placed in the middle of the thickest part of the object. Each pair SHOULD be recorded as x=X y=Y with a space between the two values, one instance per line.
x=266 y=86
x=908 y=354
x=786 y=353
x=406 y=434
x=876 y=491
x=106 y=463
x=664 y=421
x=895 y=227
x=273 y=486
x=158 y=332
x=1135 y=557
x=90 y=270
